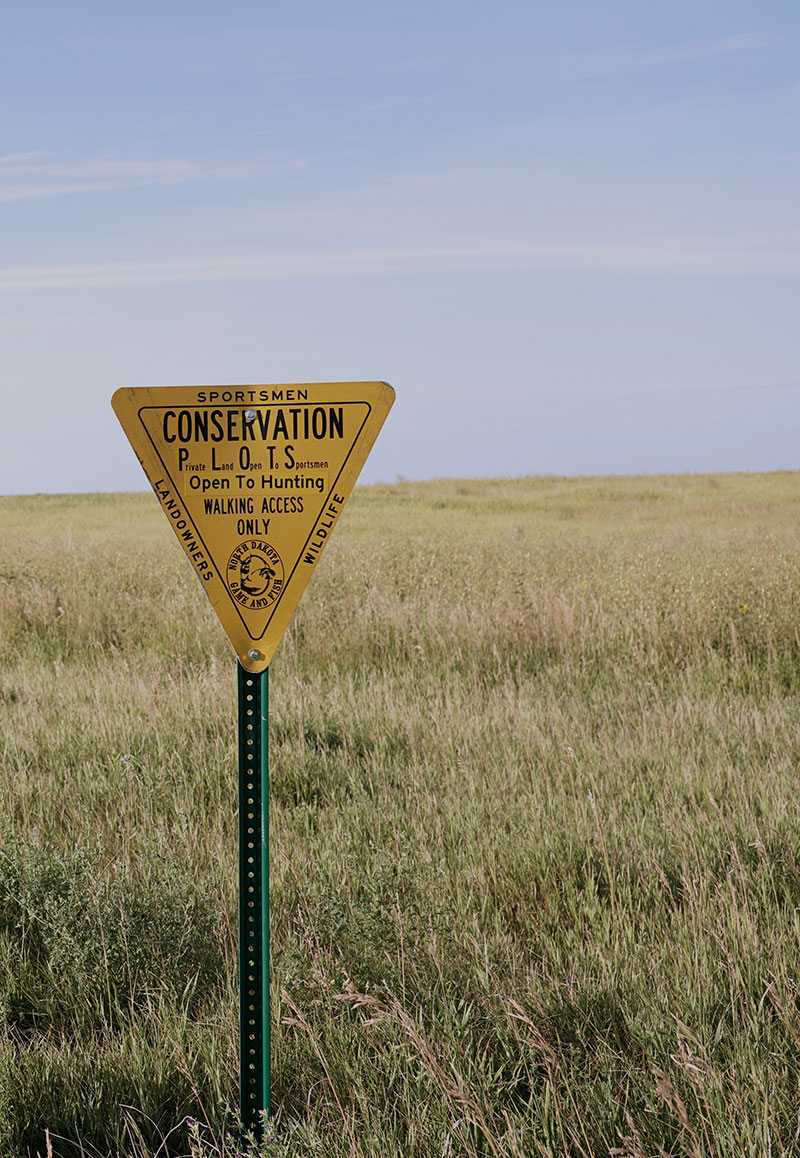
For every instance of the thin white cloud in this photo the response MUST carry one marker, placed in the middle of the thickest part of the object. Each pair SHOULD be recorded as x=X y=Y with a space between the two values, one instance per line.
x=633 y=59
x=698 y=256
x=25 y=176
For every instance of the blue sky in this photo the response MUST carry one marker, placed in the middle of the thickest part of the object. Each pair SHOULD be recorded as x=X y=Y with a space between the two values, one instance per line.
x=567 y=233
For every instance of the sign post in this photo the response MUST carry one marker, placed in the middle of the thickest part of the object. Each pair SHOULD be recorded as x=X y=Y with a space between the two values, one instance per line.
x=254 y=1043
x=253 y=480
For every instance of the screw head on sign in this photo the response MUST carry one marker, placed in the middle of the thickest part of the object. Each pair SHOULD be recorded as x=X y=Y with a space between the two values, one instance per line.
x=253 y=654
x=250 y=415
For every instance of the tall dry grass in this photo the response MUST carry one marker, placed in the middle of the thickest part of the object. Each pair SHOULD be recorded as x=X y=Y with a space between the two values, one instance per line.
x=535 y=846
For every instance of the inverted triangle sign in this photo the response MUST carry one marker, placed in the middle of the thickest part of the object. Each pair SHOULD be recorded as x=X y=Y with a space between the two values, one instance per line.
x=253 y=480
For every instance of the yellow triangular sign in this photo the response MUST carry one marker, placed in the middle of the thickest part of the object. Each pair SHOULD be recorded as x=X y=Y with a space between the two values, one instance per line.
x=253 y=480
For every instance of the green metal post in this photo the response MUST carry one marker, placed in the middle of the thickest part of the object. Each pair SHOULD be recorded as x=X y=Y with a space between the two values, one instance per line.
x=254 y=1059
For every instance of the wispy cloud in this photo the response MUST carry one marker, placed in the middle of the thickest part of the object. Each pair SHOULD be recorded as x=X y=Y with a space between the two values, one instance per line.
x=610 y=62
x=25 y=176
x=688 y=256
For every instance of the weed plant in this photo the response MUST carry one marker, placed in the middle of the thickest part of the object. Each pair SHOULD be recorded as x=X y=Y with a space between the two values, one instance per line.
x=534 y=829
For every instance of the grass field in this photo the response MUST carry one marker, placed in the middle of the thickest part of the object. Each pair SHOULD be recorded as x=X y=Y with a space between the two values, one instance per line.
x=534 y=827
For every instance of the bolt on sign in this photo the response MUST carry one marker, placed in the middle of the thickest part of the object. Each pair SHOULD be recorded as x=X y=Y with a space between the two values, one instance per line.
x=253 y=480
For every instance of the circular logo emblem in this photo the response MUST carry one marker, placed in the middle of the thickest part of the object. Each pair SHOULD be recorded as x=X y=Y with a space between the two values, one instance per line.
x=255 y=574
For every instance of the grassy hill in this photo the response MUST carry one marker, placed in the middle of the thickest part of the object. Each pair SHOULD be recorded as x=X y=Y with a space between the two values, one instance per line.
x=535 y=834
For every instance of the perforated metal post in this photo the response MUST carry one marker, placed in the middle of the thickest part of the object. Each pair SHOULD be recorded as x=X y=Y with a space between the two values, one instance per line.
x=253 y=899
